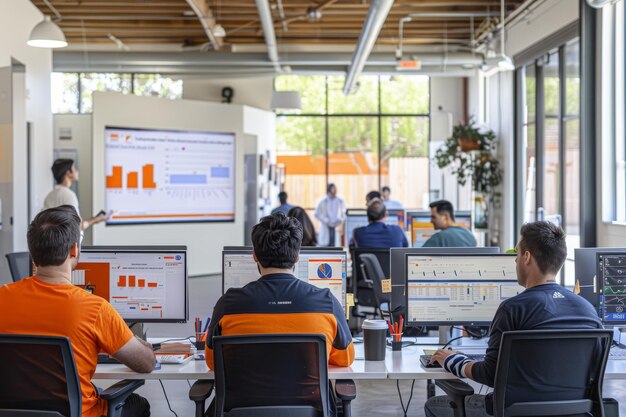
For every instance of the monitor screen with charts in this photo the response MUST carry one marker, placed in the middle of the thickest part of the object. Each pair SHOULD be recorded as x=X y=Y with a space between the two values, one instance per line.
x=422 y=229
x=458 y=289
x=322 y=267
x=611 y=273
x=356 y=219
x=161 y=176
x=585 y=271
x=144 y=284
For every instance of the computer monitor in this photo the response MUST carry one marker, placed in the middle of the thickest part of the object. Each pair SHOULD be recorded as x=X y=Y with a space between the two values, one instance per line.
x=458 y=289
x=422 y=229
x=585 y=268
x=611 y=272
x=143 y=283
x=397 y=266
x=358 y=218
x=322 y=267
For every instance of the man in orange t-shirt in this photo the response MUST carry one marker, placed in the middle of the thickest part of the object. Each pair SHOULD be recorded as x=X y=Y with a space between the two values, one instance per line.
x=48 y=304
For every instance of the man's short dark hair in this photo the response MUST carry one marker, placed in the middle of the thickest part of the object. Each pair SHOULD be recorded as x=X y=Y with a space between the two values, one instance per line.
x=443 y=206
x=51 y=235
x=329 y=186
x=276 y=240
x=372 y=195
x=282 y=197
x=546 y=243
x=386 y=189
x=60 y=167
x=376 y=211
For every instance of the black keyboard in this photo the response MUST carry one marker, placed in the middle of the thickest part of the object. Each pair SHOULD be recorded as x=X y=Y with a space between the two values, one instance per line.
x=104 y=358
x=425 y=359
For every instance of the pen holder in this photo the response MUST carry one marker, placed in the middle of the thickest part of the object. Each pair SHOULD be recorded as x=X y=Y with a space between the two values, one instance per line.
x=396 y=341
x=200 y=341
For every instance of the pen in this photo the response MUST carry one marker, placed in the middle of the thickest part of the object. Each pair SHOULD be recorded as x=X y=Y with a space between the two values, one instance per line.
x=208 y=320
x=390 y=327
x=401 y=323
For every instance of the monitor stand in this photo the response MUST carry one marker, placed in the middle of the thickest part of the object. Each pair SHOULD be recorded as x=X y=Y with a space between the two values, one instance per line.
x=447 y=333
x=138 y=330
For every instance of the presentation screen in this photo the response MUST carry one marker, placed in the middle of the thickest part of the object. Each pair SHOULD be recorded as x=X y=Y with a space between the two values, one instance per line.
x=162 y=176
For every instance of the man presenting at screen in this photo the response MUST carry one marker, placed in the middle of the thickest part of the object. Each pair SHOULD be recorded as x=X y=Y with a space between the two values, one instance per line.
x=65 y=173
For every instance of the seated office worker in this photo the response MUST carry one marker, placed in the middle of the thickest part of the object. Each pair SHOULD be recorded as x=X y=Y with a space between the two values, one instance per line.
x=544 y=305
x=278 y=302
x=442 y=218
x=48 y=304
x=378 y=234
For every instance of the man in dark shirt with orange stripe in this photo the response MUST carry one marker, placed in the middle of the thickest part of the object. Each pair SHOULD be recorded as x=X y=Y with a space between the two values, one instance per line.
x=544 y=304
x=278 y=302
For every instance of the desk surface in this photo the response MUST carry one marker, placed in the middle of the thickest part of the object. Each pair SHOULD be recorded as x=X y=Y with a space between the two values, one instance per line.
x=193 y=369
x=402 y=364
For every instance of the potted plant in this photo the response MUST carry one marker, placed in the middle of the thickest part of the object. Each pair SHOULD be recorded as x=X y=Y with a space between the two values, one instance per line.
x=470 y=154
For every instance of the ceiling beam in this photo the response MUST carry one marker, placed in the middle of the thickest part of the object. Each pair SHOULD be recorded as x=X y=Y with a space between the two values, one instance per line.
x=203 y=11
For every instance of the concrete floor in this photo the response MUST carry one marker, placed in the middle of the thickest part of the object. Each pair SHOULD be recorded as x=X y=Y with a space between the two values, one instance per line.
x=374 y=398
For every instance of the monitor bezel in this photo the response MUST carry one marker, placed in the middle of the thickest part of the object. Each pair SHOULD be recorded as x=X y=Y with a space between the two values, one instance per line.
x=600 y=288
x=149 y=249
x=444 y=323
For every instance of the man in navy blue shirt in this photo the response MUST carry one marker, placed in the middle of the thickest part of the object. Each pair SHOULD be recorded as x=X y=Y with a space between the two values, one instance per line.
x=544 y=305
x=377 y=234
x=284 y=206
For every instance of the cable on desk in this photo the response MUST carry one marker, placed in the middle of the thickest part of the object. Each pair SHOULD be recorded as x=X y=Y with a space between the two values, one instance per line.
x=178 y=338
x=189 y=383
x=408 y=403
x=452 y=340
x=167 y=399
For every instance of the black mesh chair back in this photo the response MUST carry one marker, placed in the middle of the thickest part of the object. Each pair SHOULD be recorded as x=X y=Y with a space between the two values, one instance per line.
x=20 y=265
x=551 y=372
x=373 y=271
x=364 y=294
x=271 y=375
x=39 y=377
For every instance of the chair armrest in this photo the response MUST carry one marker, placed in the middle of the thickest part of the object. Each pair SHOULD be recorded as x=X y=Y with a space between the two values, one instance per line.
x=345 y=389
x=116 y=395
x=455 y=387
x=456 y=390
x=122 y=388
x=200 y=390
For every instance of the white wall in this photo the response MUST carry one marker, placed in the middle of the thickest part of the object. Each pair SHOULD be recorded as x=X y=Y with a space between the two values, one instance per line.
x=80 y=126
x=17 y=18
x=204 y=240
x=255 y=92
x=547 y=18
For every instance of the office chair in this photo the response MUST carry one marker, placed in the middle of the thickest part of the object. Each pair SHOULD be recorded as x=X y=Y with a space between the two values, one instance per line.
x=570 y=362
x=19 y=265
x=39 y=379
x=372 y=276
x=282 y=375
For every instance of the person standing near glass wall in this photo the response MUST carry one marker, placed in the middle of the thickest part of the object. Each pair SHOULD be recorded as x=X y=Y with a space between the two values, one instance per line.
x=331 y=212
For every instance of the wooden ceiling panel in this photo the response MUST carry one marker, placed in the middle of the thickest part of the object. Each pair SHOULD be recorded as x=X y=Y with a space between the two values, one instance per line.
x=174 y=22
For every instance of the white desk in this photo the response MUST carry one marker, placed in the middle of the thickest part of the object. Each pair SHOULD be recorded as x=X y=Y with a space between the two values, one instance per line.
x=193 y=369
x=402 y=364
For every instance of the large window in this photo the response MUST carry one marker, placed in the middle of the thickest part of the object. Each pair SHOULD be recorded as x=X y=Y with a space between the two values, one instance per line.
x=374 y=137
x=73 y=92
x=549 y=129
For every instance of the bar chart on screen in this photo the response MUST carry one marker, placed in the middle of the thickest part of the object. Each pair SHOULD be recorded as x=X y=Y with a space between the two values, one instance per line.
x=155 y=176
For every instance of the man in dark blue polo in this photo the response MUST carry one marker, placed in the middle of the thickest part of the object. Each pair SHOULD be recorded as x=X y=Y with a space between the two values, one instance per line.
x=377 y=234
